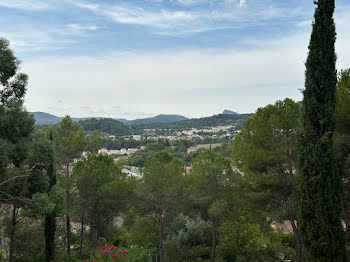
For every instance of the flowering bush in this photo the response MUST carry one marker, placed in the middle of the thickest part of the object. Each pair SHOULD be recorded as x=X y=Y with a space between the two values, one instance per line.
x=108 y=254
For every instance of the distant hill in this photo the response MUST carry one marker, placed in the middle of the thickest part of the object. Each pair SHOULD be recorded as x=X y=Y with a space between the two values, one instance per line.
x=42 y=118
x=126 y=127
x=157 y=119
x=229 y=112
x=216 y=120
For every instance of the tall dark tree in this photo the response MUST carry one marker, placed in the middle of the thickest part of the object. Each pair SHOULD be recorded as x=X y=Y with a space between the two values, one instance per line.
x=50 y=219
x=320 y=183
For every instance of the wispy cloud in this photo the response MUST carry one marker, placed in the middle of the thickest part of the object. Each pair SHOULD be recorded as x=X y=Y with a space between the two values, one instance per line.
x=92 y=7
x=187 y=2
x=33 y=5
x=193 y=20
x=82 y=28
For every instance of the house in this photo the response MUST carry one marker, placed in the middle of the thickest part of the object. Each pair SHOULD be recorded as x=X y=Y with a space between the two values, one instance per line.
x=136 y=137
x=103 y=151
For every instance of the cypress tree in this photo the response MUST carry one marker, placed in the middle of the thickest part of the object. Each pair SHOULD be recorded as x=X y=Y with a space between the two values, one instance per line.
x=320 y=183
x=50 y=219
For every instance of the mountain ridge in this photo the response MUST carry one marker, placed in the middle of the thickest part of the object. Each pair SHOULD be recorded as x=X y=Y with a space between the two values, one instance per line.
x=42 y=118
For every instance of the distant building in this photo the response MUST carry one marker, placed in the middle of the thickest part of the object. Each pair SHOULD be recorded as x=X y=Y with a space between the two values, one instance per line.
x=136 y=137
x=132 y=171
x=103 y=151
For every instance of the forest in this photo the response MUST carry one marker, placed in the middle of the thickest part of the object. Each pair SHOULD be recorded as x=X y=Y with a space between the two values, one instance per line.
x=279 y=191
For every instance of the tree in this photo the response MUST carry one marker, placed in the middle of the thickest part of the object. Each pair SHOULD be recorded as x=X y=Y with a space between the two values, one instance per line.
x=12 y=83
x=16 y=126
x=50 y=219
x=265 y=151
x=211 y=176
x=320 y=183
x=160 y=191
x=342 y=139
x=70 y=141
x=100 y=175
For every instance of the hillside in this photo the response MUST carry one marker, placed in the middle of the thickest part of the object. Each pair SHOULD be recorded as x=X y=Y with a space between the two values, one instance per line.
x=157 y=119
x=42 y=118
x=216 y=120
x=107 y=125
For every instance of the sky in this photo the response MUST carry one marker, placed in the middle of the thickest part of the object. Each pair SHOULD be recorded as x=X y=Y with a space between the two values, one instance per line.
x=139 y=58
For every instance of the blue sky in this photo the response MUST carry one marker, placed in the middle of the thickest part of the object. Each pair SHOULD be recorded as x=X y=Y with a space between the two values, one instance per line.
x=137 y=58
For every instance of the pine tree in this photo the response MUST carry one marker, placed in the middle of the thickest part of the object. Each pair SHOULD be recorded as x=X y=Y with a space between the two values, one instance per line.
x=320 y=183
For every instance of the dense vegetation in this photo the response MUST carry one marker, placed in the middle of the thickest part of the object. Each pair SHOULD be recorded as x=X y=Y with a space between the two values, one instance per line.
x=216 y=120
x=106 y=125
x=61 y=201
x=320 y=181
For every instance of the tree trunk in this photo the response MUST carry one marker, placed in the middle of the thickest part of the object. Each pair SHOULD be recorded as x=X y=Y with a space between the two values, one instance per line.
x=50 y=219
x=94 y=233
x=214 y=233
x=82 y=235
x=68 y=235
x=161 y=249
x=50 y=229
x=12 y=232
x=298 y=243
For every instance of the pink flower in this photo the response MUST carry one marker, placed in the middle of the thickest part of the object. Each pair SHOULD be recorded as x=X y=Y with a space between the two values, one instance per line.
x=97 y=247
x=114 y=255
x=104 y=247
x=105 y=251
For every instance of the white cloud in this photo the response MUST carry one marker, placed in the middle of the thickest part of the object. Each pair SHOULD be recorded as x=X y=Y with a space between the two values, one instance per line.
x=156 y=82
x=33 y=5
x=78 y=27
x=139 y=16
x=180 y=22
x=187 y=2
x=193 y=83
x=91 y=7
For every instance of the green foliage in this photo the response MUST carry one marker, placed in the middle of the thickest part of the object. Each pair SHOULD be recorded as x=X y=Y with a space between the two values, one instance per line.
x=189 y=239
x=265 y=152
x=216 y=120
x=342 y=140
x=161 y=185
x=143 y=233
x=211 y=176
x=320 y=183
x=102 y=190
x=244 y=240
x=12 y=83
x=160 y=191
x=29 y=242
x=211 y=179
x=107 y=125
x=70 y=142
